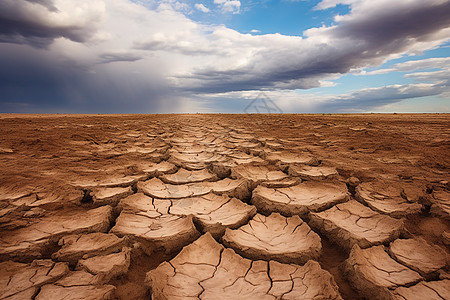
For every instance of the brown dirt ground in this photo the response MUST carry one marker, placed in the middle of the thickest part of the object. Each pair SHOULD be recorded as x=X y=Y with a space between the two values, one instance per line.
x=45 y=151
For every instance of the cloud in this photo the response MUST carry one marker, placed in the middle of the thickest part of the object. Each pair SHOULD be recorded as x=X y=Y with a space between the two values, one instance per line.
x=39 y=23
x=435 y=75
x=441 y=76
x=47 y=3
x=364 y=100
x=104 y=74
x=370 y=98
x=325 y=4
x=368 y=36
x=180 y=6
x=433 y=81
x=232 y=6
x=201 y=7
x=119 y=56
x=413 y=65
x=50 y=83
x=429 y=63
x=397 y=29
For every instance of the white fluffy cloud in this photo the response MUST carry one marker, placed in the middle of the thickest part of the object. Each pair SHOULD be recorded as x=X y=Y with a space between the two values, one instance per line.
x=325 y=4
x=201 y=7
x=232 y=6
x=412 y=65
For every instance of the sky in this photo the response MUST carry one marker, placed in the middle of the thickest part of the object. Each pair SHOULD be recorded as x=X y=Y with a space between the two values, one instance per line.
x=224 y=56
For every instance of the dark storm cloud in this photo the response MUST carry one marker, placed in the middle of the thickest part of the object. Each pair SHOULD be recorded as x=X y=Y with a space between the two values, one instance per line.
x=360 y=39
x=372 y=98
x=32 y=80
x=357 y=101
x=368 y=99
x=192 y=50
x=49 y=4
x=30 y=22
x=392 y=30
x=119 y=57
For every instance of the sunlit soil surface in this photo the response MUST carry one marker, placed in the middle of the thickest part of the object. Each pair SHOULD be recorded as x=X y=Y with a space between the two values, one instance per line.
x=224 y=207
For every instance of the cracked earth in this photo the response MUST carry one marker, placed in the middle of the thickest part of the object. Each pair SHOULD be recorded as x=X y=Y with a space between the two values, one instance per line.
x=225 y=207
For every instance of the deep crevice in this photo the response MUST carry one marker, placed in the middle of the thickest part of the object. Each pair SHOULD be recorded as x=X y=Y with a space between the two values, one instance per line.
x=331 y=260
x=87 y=197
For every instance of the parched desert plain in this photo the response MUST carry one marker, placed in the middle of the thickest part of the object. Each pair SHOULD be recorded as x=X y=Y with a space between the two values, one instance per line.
x=225 y=206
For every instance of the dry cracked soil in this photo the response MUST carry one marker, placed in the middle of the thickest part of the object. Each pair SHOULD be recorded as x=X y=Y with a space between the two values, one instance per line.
x=225 y=207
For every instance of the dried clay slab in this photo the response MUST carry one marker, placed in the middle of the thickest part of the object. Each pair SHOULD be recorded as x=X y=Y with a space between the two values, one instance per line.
x=312 y=173
x=375 y=274
x=161 y=168
x=110 y=196
x=432 y=290
x=214 y=213
x=419 y=255
x=299 y=199
x=22 y=281
x=285 y=157
x=183 y=176
x=441 y=204
x=386 y=199
x=352 y=223
x=77 y=285
x=157 y=189
x=257 y=174
x=32 y=241
x=75 y=247
x=188 y=158
x=117 y=180
x=107 y=267
x=146 y=220
x=287 y=240
x=205 y=270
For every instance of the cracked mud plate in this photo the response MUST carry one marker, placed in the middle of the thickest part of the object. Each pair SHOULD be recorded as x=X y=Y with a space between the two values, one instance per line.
x=214 y=213
x=183 y=176
x=157 y=189
x=374 y=273
x=168 y=232
x=205 y=270
x=22 y=281
x=257 y=174
x=147 y=221
x=75 y=247
x=313 y=173
x=299 y=199
x=110 y=196
x=292 y=158
x=32 y=241
x=287 y=240
x=433 y=290
x=352 y=223
x=441 y=204
x=387 y=199
x=419 y=255
x=78 y=285
x=108 y=266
